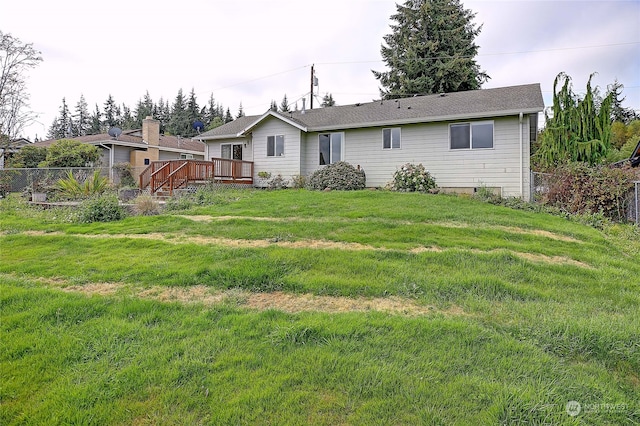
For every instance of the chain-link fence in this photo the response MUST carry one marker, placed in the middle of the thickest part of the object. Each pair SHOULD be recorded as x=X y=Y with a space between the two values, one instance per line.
x=42 y=180
x=540 y=186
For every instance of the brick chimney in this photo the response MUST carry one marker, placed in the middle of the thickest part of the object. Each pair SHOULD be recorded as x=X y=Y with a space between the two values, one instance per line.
x=151 y=131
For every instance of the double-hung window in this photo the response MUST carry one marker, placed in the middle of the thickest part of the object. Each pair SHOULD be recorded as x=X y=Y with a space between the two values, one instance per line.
x=475 y=135
x=391 y=138
x=275 y=146
x=331 y=146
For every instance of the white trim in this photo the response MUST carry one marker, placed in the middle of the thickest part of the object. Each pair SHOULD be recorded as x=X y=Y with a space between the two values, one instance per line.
x=342 y=147
x=274 y=114
x=391 y=148
x=471 y=124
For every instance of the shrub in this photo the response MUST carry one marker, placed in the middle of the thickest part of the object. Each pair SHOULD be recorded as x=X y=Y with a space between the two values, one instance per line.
x=145 y=205
x=125 y=173
x=103 y=208
x=298 y=181
x=339 y=176
x=412 y=178
x=580 y=189
x=277 y=182
x=72 y=188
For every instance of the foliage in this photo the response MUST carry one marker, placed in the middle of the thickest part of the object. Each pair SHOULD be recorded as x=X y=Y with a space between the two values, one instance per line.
x=207 y=195
x=431 y=49
x=16 y=59
x=71 y=153
x=327 y=100
x=62 y=125
x=277 y=182
x=579 y=189
x=579 y=130
x=340 y=176
x=298 y=181
x=521 y=312
x=70 y=187
x=100 y=208
x=125 y=174
x=412 y=178
x=146 y=205
x=28 y=157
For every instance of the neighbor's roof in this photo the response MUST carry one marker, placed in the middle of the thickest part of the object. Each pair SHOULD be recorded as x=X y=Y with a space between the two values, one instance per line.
x=133 y=138
x=471 y=104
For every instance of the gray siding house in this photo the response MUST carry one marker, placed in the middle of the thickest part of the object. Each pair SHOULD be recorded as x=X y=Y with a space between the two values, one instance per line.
x=465 y=139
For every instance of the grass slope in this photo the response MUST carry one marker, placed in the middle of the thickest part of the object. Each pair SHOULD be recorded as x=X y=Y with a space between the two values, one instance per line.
x=546 y=313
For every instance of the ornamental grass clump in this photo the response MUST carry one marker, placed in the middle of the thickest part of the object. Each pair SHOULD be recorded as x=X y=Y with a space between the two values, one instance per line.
x=340 y=176
x=413 y=178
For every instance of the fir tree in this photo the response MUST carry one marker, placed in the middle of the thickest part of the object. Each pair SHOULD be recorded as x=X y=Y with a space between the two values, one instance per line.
x=144 y=109
x=111 y=113
x=284 y=105
x=193 y=113
x=178 y=124
x=274 y=106
x=240 y=111
x=228 y=117
x=81 y=118
x=62 y=125
x=128 y=121
x=431 y=49
x=96 y=122
x=327 y=101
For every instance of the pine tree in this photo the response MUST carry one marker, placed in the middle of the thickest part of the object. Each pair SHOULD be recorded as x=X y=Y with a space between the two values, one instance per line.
x=62 y=125
x=128 y=120
x=274 y=106
x=240 y=111
x=228 y=117
x=96 y=122
x=327 y=101
x=193 y=113
x=284 y=105
x=111 y=113
x=144 y=109
x=431 y=49
x=178 y=124
x=81 y=118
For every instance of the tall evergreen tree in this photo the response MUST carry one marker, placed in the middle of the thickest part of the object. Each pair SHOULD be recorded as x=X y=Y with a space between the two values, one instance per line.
x=62 y=126
x=111 y=113
x=96 y=122
x=327 y=100
x=274 y=106
x=178 y=124
x=128 y=120
x=144 y=109
x=228 y=117
x=240 y=111
x=81 y=118
x=431 y=49
x=284 y=105
x=193 y=113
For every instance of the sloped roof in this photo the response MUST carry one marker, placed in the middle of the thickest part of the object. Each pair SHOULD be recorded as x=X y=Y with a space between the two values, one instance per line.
x=483 y=103
x=134 y=139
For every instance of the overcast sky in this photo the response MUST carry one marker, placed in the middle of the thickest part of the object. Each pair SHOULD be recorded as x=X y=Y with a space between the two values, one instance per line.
x=255 y=51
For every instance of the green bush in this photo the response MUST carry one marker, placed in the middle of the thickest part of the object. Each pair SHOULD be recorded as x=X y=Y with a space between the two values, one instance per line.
x=580 y=189
x=125 y=173
x=340 y=176
x=277 y=182
x=103 y=208
x=298 y=181
x=413 y=178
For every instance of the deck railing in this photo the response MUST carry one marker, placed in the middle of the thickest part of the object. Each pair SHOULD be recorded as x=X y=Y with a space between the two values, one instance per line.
x=175 y=174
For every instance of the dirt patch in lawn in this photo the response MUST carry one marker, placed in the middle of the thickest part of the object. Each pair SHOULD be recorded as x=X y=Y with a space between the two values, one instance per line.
x=197 y=218
x=281 y=301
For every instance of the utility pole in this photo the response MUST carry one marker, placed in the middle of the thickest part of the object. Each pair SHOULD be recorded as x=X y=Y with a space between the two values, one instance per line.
x=311 y=103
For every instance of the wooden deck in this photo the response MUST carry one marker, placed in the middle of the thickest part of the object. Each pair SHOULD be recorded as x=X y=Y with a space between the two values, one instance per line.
x=169 y=175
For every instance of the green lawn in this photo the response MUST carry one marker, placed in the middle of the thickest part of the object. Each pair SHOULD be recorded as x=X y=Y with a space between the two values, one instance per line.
x=523 y=312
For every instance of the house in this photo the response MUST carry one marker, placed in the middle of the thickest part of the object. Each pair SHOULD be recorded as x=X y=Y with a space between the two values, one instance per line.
x=465 y=139
x=140 y=147
x=11 y=148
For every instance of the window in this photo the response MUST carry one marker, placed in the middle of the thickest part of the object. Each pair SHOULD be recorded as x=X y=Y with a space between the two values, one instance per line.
x=186 y=156
x=471 y=135
x=391 y=138
x=275 y=146
x=330 y=145
x=231 y=151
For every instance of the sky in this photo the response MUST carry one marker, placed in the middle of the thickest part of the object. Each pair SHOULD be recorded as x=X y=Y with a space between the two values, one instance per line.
x=256 y=51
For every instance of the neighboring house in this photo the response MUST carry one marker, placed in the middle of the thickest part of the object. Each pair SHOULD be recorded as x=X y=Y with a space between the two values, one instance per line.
x=13 y=147
x=465 y=139
x=140 y=147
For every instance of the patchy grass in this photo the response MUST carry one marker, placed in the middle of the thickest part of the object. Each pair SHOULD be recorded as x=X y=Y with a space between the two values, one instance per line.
x=296 y=307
